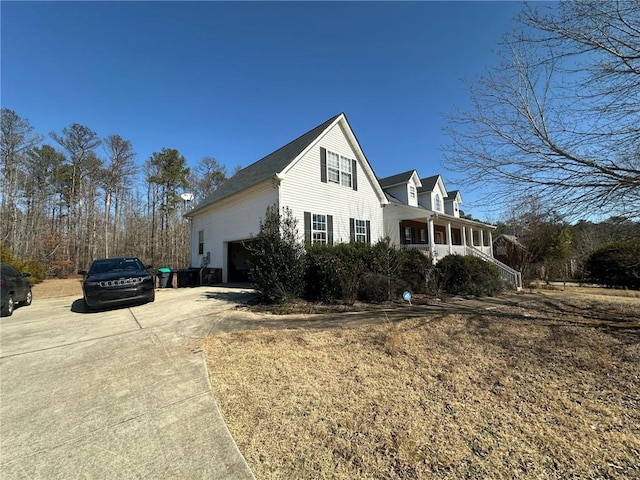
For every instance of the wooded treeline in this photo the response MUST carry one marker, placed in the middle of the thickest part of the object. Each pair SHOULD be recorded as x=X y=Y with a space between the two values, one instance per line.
x=76 y=196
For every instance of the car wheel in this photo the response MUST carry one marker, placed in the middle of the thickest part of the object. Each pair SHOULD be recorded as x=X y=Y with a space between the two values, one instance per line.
x=27 y=301
x=7 y=310
x=153 y=297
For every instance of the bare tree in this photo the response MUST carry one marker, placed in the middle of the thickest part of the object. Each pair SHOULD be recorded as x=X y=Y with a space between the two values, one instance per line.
x=80 y=143
x=207 y=176
x=16 y=137
x=560 y=117
x=120 y=168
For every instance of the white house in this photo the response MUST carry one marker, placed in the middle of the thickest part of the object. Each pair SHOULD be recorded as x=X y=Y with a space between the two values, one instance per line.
x=325 y=179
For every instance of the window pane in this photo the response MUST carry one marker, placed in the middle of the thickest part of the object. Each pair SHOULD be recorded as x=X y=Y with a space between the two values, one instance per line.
x=319 y=222
x=346 y=179
x=407 y=234
x=345 y=164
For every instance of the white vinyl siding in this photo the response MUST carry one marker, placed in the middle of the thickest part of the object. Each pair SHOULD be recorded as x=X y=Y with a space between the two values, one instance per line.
x=302 y=192
x=234 y=218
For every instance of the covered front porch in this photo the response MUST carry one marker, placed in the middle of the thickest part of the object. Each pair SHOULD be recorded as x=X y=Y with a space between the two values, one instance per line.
x=442 y=235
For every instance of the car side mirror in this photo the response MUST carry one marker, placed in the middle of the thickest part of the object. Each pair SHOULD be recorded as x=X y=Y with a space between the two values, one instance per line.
x=82 y=272
x=26 y=274
x=149 y=266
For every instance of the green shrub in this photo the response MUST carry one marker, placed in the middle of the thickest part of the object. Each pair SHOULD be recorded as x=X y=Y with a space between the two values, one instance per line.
x=415 y=270
x=33 y=267
x=616 y=265
x=375 y=287
x=322 y=282
x=467 y=275
x=334 y=272
x=277 y=257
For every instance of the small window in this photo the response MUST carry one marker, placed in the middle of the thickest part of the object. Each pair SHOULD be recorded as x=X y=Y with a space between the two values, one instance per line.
x=438 y=203
x=319 y=229
x=412 y=191
x=407 y=235
x=200 y=242
x=455 y=206
x=361 y=231
x=423 y=235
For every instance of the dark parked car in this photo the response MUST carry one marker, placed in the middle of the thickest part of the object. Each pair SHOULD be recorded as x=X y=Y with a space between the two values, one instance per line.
x=15 y=289
x=117 y=281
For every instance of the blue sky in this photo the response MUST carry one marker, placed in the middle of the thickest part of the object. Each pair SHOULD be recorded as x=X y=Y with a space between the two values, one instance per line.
x=237 y=80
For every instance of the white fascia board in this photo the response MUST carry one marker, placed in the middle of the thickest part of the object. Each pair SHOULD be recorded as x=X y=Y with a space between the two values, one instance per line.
x=416 y=179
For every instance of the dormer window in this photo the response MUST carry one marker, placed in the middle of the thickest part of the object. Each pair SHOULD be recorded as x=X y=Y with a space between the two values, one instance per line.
x=412 y=191
x=455 y=206
x=438 y=203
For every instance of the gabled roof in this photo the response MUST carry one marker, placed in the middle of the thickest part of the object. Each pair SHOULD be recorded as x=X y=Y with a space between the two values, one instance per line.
x=452 y=195
x=398 y=179
x=277 y=163
x=428 y=184
x=264 y=168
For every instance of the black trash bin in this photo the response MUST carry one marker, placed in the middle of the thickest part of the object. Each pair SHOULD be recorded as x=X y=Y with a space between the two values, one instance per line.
x=165 y=277
x=188 y=278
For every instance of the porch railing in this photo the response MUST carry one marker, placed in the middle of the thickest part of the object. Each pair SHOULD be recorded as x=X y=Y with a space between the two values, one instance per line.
x=507 y=273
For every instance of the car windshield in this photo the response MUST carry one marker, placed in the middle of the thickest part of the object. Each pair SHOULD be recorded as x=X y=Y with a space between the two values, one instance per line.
x=116 y=265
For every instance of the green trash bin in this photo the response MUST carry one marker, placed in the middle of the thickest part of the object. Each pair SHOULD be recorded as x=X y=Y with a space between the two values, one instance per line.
x=165 y=277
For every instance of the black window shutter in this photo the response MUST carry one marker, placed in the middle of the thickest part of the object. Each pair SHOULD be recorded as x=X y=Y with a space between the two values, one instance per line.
x=368 y=225
x=323 y=165
x=354 y=170
x=307 y=227
x=352 y=229
x=330 y=229
x=402 y=242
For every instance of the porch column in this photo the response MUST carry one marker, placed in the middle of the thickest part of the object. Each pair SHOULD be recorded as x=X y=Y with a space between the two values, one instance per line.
x=432 y=240
x=491 y=242
x=471 y=236
x=482 y=239
x=464 y=236
x=449 y=238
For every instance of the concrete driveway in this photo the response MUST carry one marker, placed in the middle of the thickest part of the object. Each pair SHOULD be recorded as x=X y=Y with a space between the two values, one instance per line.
x=121 y=393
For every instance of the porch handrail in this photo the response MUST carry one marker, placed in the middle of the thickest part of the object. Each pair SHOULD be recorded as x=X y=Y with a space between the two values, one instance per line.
x=510 y=275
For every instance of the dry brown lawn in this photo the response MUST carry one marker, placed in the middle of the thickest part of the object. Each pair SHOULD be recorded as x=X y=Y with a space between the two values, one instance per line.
x=58 y=287
x=545 y=388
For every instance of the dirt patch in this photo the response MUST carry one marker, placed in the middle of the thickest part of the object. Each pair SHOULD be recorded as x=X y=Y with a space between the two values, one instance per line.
x=535 y=386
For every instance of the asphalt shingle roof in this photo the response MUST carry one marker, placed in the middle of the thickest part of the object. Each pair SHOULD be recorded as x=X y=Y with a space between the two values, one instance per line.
x=428 y=184
x=266 y=167
x=397 y=179
x=452 y=194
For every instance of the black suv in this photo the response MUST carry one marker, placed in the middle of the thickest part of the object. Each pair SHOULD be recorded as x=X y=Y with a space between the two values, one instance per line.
x=14 y=288
x=116 y=281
